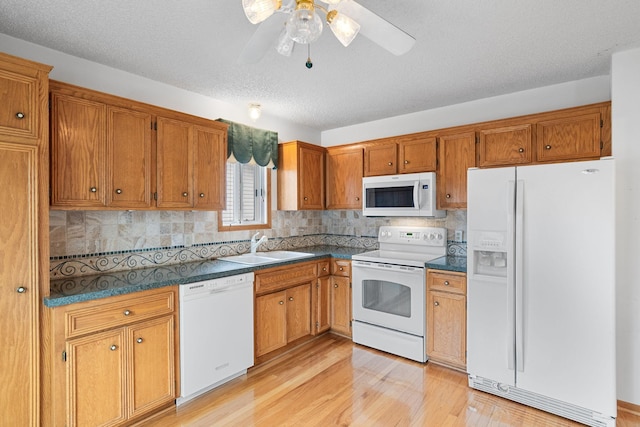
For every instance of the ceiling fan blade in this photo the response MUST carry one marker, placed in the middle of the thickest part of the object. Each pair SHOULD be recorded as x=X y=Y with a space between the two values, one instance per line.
x=377 y=29
x=264 y=38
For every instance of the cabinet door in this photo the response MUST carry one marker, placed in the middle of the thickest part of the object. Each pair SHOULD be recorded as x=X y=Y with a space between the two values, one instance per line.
x=271 y=322
x=341 y=305
x=569 y=138
x=18 y=286
x=456 y=153
x=128 y=158
x=417 y=154
x=78 y=142
x=505 y=146
x=298 y=312
x=96 y=379
x=174 y=164
x=323 y=305
x=344 y=178
x=446 y=328
x=19 y=112
x=151 y=365
x=210 y=168
x=311 y=178
x=380 y=159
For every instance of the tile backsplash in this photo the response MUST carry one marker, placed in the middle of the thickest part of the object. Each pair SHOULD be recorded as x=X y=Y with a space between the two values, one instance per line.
x=117 y=240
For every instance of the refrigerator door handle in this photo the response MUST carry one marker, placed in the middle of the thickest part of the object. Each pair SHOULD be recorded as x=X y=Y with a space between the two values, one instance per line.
x=519 y=276
x=511 y=327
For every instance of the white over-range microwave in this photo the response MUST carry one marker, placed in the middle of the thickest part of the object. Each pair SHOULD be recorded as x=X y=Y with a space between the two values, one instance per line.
x=412 y=194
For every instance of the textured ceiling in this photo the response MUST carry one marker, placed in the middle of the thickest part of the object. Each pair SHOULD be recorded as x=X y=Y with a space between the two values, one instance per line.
x=465 y=50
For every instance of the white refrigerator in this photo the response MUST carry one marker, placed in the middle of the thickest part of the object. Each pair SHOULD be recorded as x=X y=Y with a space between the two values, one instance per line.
x=541 y=287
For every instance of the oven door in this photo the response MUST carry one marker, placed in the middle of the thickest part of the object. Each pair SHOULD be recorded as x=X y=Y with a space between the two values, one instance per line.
x=390 y=296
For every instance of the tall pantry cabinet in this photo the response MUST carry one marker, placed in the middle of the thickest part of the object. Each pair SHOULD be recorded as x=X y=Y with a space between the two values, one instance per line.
x=24 y=234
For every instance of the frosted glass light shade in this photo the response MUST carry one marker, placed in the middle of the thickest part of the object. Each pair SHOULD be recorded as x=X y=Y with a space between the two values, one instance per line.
x=255 y=111
x=332 y=1
x=259 y=10
x=285 y=43
x=304 y=26
x=344 y=28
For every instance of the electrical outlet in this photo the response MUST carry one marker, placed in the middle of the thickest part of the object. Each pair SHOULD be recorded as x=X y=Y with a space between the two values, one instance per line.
x=457 y=236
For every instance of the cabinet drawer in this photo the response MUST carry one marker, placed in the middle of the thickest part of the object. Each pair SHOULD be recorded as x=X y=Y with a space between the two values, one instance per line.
x=341 y=267
x=324 y=268
x=447 y=282
x=284 y=277
x=93 y=316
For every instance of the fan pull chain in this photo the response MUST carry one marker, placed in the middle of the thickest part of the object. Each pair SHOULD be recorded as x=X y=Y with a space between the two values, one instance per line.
x=309 y=64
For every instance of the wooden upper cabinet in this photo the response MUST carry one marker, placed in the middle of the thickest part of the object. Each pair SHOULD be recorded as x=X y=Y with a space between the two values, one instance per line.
x=174 y=173
x=417 y=154
x=456 y=153
x=300 y=176
x=210 y=168
x=504 y=146
x=129 y=158
x=19 y=87
x=78 y=134
x=569 y=138
x=344 y=177
x=381 y=158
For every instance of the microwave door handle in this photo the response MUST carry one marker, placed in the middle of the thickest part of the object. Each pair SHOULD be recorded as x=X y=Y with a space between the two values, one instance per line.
x=416 y=195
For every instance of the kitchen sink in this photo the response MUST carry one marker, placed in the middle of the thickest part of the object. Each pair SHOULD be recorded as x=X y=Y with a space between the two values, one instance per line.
x=265 y=257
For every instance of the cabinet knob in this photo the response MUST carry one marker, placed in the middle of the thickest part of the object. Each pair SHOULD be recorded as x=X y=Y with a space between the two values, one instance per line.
x=521 y=150
x=448 y=196
x=547 y=147
x=357 y=199
x=335 y=286
x=20 y=115
x=118 y=191
x=406 y=162
x=113 y=347
x=446 y=283
x=201 y=195
x=390 y=164
x=126 y=312
x=324 y=268
x=305 y=198
x=93 y=189
x=280 y=302
x=290 y=298
x=185 y=194
x=21 y=290
x=436 y=303
x=139 y=340
x=341 y=268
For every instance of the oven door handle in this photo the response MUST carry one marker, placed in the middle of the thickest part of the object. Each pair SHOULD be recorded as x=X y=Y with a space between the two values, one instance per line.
x=387 y=267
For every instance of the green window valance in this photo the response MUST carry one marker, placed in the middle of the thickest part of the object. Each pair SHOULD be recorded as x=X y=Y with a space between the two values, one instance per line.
x=246 y=144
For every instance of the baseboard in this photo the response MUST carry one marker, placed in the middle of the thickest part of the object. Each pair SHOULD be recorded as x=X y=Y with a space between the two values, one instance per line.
x=628 y=407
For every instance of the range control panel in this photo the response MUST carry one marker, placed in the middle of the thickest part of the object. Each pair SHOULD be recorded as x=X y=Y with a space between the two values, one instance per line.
x=412 y=236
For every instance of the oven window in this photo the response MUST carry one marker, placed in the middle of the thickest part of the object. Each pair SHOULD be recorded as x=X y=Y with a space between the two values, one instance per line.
x=390 y=197
x=387 y=297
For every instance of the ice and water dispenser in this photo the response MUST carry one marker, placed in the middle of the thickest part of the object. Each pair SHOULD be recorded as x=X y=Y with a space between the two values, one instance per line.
x=489 y=253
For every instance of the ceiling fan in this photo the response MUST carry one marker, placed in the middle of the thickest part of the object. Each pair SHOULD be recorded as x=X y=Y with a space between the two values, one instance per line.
x=299 y=21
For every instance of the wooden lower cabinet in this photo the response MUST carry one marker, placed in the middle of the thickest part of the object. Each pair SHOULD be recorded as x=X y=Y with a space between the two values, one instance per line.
x=341 y=305
x=447 y=318
x=118 y=360
x=323 y=305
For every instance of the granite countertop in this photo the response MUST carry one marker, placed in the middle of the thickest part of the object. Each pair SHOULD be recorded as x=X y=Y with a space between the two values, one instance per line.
x=84 y=288
x=449 y=263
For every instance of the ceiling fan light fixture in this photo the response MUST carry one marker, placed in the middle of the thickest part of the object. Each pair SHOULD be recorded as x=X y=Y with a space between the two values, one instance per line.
x=344 y=28
x=332 y=1
x=304 y=25
x=257 y=11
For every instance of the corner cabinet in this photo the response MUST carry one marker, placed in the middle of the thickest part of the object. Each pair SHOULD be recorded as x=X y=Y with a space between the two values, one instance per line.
x=344 y=177
x=24 y=233
x=115 y=359
x=447 y=318
x=112 y=153
x=456 y=153
x=300 y=176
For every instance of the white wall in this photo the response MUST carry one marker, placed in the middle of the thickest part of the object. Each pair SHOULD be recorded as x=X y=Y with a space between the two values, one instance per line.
x=564 y=95
x=625 y=115
x=80 y=72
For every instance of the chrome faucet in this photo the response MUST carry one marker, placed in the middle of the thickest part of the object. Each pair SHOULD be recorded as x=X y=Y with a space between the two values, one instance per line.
x=254 y=244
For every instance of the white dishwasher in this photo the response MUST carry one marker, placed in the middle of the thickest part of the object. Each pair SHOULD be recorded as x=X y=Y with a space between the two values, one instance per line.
x=216 y=333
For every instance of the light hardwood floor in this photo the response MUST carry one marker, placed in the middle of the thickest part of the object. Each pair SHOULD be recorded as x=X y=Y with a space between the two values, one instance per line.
x=333 y=382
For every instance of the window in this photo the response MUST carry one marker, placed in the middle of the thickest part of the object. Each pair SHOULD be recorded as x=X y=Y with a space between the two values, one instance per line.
x=247 y=198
